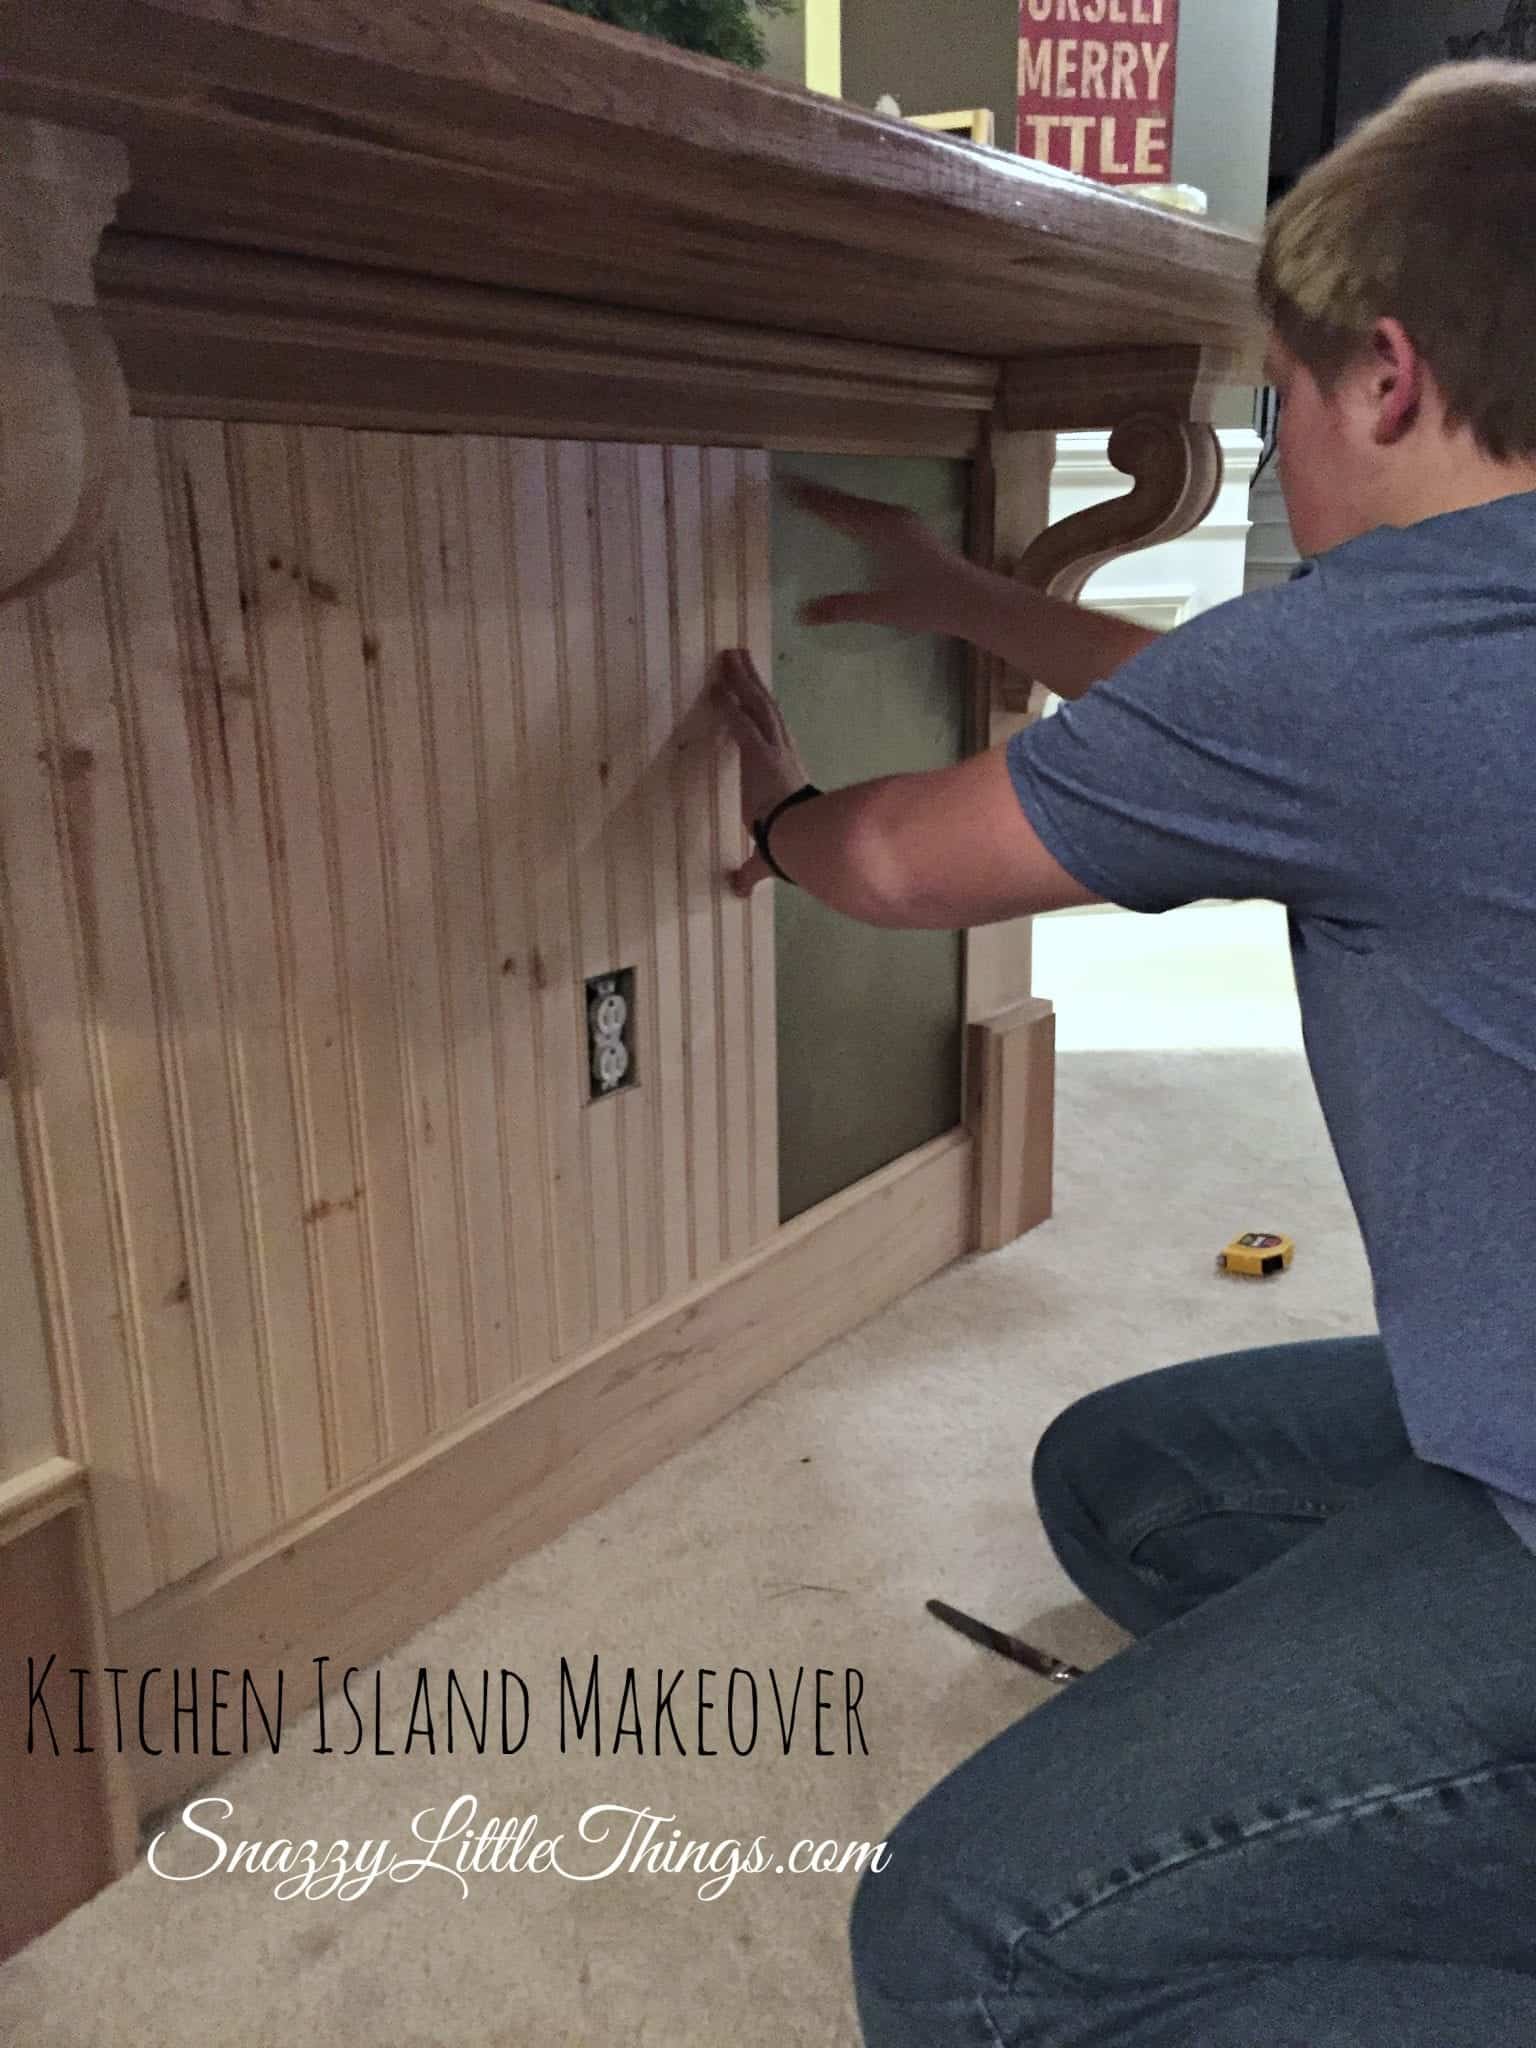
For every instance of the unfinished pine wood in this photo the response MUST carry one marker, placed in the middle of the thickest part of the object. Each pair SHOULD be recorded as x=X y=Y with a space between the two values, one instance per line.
x=34 y=900
x=348 y=725
x=213 y=1294
x=513 y=144
x=228 y=333
x=285 y=594
x=539 y=804
x=516 y=1059
x=761 y=924
x=1012 y=1098
x=460 y=776
x=30 y=1425
x=50 y=1486
x=696 y=795
x=376 y=1565
x=671 y=821
x=322 y=797
x=63 y=405
x=1010 y=507
x=728 y=574
x=1175 y=466
x=66 y=424
x=323 y=794
x=69 y=1809
x=200 y=665
x=1091 y=387
x=584 y=764
x=1175 y=469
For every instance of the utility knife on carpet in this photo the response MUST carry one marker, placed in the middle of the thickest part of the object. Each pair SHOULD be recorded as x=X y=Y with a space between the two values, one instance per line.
x=1011 y=1647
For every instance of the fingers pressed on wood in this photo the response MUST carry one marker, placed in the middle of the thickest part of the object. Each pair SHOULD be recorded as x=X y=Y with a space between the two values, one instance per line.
x=746 y=878
x=746 y=695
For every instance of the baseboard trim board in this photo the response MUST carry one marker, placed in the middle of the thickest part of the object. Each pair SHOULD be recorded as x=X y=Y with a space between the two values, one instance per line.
x=365 y=1573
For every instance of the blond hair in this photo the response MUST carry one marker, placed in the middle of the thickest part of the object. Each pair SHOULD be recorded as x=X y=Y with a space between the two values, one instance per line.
x=1426 y=213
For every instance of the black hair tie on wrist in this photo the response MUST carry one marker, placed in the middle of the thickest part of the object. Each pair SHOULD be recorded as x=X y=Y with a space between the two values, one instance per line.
x=761 y=827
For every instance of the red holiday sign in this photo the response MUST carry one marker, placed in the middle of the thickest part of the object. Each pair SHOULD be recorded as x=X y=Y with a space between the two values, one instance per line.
x=1096 y=87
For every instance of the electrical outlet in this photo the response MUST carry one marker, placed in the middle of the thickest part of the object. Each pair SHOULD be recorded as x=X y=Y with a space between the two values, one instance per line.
x=610 y=1032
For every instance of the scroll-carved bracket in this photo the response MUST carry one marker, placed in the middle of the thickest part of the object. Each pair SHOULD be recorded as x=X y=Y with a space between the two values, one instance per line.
x=63 y=403
x=1175 y=469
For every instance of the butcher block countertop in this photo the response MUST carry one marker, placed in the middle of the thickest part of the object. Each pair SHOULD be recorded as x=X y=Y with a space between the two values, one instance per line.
x=419 y=182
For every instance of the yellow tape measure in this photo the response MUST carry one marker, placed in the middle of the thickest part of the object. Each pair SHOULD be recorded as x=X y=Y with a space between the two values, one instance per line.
x=1257 y=1254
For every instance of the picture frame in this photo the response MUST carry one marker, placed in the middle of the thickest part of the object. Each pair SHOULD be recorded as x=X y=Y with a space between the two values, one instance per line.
x=971 y=124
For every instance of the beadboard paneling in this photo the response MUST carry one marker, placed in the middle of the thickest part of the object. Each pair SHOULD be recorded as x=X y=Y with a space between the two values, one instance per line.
x=320 y=799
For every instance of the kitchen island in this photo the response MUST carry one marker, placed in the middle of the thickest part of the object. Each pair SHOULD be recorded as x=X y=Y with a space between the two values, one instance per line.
x=393 y=401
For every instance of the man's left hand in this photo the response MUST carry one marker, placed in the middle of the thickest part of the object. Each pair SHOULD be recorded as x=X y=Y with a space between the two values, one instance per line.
x=771 y=767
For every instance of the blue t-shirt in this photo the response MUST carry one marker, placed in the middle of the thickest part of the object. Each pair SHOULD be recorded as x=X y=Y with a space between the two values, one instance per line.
x=1359 y=744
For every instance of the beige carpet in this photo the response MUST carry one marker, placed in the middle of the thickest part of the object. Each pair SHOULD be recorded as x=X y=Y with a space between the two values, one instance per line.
x=808 y=1529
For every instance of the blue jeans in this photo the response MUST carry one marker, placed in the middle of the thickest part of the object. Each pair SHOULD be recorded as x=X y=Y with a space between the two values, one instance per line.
x=1299 y=1810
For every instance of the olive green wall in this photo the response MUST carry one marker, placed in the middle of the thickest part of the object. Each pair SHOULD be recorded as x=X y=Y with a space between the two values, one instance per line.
x=870 y=1020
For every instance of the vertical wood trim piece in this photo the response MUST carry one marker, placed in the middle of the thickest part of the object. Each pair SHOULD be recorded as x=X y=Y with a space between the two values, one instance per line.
x=52 y=1024
x=1013 y=1085
x=1010 y=506
x=73 y=1812
x=1008 y=1071
x=625 y=774
x=29 y=1430
x=762 y=993
x=724 y=475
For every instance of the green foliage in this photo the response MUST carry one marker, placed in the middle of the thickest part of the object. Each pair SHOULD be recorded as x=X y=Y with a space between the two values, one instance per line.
x=714 y=28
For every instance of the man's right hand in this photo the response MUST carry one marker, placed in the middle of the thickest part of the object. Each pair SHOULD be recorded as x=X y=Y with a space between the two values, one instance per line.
x=924 y=587
x=921 y=586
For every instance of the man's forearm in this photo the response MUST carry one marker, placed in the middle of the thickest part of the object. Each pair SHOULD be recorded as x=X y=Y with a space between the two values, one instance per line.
x=837 y=850
x=1064 y=647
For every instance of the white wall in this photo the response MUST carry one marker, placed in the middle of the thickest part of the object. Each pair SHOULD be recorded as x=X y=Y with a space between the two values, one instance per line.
x=1211 y=974
x=1208 y=976
x=1223 y=95
x=1271 y=550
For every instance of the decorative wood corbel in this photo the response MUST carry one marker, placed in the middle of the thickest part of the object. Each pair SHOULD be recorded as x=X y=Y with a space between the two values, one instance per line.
x=1175 y=469
x=1162 y=398
x=63 y=403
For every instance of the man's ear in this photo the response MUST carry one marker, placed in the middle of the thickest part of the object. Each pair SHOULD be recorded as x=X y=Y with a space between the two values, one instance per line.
x=1397 y=382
